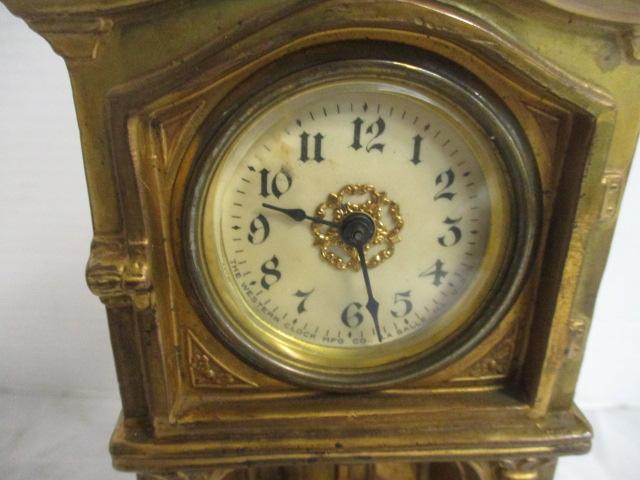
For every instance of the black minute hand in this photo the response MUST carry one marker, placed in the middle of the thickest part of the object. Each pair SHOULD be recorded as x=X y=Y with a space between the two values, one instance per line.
x=372 y=303
x=299 y=215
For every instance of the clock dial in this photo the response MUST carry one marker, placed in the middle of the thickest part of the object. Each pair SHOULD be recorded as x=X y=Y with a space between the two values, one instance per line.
x=400 y=162
x=352 y=224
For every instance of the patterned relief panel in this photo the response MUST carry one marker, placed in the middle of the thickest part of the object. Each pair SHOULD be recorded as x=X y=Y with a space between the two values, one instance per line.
x=496 y=364
x=208 y=372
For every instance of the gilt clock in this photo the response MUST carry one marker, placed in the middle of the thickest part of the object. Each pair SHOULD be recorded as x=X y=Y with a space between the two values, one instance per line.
x=339 y=239
x=362 y=222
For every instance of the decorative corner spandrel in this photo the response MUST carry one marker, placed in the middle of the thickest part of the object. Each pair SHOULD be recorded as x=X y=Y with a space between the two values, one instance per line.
x=497 y=362
x=208 y=372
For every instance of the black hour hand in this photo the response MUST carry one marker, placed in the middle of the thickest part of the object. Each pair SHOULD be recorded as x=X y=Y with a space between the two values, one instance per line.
x=299 y=215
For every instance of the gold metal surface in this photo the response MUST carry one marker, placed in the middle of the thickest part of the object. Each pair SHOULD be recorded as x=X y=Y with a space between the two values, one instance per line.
x=377 y=207
x=151 y=77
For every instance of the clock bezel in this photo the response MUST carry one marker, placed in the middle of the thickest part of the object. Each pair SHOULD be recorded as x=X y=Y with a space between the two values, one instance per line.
x=495 y=120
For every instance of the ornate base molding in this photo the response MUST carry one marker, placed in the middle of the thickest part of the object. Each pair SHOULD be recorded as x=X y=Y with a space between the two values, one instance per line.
x=508 y=469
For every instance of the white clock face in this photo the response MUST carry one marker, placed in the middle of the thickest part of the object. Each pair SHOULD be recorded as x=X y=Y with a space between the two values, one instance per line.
x=404 y=182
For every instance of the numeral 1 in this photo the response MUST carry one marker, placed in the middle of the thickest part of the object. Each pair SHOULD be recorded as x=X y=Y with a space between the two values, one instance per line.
x=417 y=143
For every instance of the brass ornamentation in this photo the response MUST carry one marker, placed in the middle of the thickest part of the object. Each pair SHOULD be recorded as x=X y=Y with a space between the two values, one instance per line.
x=118 y=273
x=206 y=371
x=384 y=212
x=497 y=363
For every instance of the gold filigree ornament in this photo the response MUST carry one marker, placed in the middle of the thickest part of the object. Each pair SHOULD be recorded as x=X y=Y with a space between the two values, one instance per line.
x=364 y=199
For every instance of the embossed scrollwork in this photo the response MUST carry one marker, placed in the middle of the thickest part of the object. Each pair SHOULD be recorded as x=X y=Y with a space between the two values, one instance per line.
x=206 y=371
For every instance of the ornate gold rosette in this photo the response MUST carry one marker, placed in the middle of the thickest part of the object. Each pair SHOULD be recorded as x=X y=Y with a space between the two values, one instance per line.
x=364 y=199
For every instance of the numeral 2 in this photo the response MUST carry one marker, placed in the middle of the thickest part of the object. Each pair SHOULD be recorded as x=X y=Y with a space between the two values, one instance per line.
x=445 y=179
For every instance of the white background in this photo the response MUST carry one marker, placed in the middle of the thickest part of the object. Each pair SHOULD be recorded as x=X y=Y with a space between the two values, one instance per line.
x=58 y=392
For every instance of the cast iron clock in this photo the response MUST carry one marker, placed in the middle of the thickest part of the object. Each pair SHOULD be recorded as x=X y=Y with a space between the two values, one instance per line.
x=362 y=222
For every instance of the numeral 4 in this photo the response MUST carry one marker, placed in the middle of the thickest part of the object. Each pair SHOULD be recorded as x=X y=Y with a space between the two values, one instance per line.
x=436 y=271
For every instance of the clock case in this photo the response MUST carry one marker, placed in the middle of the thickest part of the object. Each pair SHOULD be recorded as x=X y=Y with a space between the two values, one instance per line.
x=148 y=75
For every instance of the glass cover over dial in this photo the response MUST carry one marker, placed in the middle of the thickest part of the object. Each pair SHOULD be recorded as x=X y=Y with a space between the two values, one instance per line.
x=351 y=225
